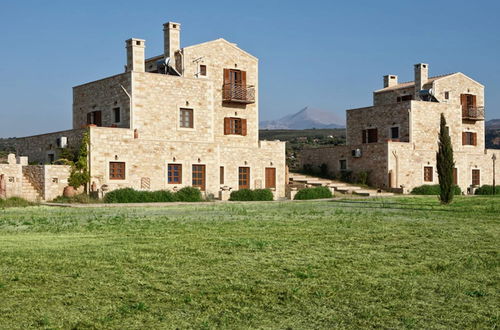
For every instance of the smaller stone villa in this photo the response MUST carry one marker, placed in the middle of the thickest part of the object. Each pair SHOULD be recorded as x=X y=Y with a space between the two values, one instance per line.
x=395 y=140
x=186 y=117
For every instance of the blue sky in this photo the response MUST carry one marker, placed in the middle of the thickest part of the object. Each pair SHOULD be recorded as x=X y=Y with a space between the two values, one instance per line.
x=324 y=54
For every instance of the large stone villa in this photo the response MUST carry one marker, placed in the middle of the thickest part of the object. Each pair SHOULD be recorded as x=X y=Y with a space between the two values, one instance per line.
x=187 y=117
x=395 y=140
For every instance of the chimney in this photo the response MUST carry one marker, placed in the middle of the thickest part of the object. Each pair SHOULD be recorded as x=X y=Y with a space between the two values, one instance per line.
x=390 y=80
x=171 y=40
x=421 y=77
x=135 y=55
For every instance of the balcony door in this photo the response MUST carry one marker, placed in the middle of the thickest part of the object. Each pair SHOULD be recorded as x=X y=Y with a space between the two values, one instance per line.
x=468 y=102
x=235 y=82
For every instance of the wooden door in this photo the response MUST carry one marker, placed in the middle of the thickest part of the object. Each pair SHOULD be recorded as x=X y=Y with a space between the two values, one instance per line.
x=244 y=178
x=198 y=176
x=270 y=177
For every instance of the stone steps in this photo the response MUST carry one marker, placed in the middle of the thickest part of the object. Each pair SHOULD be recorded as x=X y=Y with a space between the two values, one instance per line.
x=29 y=192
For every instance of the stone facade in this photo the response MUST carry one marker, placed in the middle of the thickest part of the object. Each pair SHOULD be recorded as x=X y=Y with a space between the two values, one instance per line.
x=136 y=119
x=406 y=120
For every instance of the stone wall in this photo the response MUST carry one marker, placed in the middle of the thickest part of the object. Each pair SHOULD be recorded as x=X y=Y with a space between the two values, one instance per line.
x=13 y=177
x=38 y=147
x=55 y=180
x=147 y=160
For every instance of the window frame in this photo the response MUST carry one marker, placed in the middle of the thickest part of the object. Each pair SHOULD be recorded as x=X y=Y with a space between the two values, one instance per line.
x=112 y=175
x=117 y=110
x=342 y=162
x=190 y=118
x=469 y=138
x=478 y=171
x=366 y=137
x=391 y=131
x=203 y=70
x=244 y=183
x=426 y=174
x=202 y=170
x=171 y=177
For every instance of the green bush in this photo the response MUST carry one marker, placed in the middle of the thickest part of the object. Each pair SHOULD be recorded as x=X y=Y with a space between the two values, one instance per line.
x=433 y=189
x=251 y=195
x=129 y=195
x=313 y=193
x=14 y=202
x=189 y=194
x=78 y=199
x=487 y=190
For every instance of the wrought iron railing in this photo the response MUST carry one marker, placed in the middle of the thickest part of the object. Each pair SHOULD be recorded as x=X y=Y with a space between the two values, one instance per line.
x=473 y=113
x=238 y=93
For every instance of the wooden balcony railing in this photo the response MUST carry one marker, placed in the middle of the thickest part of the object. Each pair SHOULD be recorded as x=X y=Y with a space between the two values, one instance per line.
x=238 y=93
x=473 y=113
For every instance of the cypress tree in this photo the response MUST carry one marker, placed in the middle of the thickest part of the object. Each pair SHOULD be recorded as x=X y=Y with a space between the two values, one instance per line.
x=445 y=164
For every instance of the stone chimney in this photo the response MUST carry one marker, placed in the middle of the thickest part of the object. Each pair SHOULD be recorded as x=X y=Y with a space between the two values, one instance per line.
x=135 y=55
x=390 y=80
x=421 y=77
x=171 y=40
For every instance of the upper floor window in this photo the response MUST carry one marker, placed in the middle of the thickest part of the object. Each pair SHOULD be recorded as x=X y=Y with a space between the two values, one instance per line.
x=186 y=118
x=235 y=88
x=404 y=98
x=116 y=115
x=469 y=139
x=94 y=118
x=235 y=126
x=446 y=95
x=117 y=171
x=395 y=132
x=174 y=173
x=370 y=135
x=203 y=70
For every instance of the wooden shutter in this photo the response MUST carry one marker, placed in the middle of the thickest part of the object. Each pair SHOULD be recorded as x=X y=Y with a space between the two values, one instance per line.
x=363 y=136
x=226 y=76
x=98 y=118
x=244 y=127
x=270 y=177
x=227 y=126
x=89 y=118
x=375 y=135
x=463 y=102
x=243 y=78
x=474 y=139
x=474 y=99
x=464 y=138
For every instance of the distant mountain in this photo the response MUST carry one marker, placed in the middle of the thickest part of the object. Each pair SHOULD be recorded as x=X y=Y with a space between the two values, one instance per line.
x=492 y=124
x=306 y=118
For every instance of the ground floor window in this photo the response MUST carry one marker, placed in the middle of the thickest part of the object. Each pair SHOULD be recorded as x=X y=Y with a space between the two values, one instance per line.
x=117 y=170
x=244 y=178
x=428 y=174
x=221 y=174
x=174 y=173
x=198 y=175
x=270 y=177
x=343 y=164
x=476 y=177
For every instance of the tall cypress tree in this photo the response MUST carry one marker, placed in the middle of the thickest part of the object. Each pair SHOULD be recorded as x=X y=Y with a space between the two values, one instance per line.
x=445 y=163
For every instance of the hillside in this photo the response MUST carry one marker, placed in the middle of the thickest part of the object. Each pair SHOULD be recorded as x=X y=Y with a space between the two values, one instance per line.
x=492 y=124
x=306 y=118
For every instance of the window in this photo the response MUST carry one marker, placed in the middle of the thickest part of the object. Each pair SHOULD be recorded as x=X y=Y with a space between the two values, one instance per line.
x=203 y=70
x=395 y=132
x=270 y=177
x=446 y=95
x=370 y=135
x=198 y=176
x=174 y=173
x=235 y=126
x=244 y=178
x=469 y=139
x=221 y=174
x=343 y=164
x=51 y=158
x=116 y=115
x=404 y=98
x=455 y=175
x=476 y=177
x=117 y=171
x=94 y=118
x=428 y=174
x=186 y=117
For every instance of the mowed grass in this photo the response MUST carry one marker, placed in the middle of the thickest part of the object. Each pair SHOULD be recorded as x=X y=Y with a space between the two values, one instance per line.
x=394 y=263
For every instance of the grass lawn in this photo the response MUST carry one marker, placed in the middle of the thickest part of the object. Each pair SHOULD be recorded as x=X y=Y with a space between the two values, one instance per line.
x=393 y=263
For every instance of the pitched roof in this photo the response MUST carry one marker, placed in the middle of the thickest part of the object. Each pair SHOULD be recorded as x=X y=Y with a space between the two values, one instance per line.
x=412 y=83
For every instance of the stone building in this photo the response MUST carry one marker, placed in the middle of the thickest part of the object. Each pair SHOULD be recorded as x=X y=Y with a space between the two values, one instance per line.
x=187 y=117
x=395 y=140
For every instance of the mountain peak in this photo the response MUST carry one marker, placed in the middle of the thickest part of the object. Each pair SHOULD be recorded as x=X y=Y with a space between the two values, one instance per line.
x=305 y=118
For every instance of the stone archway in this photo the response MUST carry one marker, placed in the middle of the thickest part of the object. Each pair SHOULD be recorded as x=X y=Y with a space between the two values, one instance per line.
x=3 y=186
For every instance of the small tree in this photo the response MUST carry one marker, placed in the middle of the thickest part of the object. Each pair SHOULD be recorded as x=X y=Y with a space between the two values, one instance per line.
x=78 y=161
x=445 y=164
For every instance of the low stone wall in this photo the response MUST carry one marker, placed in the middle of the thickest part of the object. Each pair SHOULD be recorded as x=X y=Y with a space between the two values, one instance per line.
x=55 y=180
x=12 y=176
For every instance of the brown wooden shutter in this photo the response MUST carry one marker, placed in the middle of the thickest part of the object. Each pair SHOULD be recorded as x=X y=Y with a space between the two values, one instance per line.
x=363 y=136
x=375 y=135
x=89 y=118
x=244 y=127
x=243 y=78
x=474 y=139
x=227 y=126
x=464 y=138
x=226 y=76
x=98 y=118
x=474 y=99
x=463 y=102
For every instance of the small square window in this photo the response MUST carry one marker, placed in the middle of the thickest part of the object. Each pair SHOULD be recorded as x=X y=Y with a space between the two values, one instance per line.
x=343 y=164
x=446 y=95
x=174 y=173
x=203 y=70
x=117 y=171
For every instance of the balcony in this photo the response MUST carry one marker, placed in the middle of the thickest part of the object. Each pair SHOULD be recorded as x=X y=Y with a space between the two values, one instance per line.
x=238 y=93
x=472 y=113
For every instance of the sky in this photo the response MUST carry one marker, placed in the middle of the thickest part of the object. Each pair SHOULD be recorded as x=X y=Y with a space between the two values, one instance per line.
x=329 y=55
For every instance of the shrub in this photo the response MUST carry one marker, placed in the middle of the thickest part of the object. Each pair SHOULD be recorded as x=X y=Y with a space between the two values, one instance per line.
x=346 y=176
x=78 y=199
x=189 y=194
x=433 y=189
x=362 y=177
x=15 y=202
x=251 y=195
x=313 y=193
x=487 y=190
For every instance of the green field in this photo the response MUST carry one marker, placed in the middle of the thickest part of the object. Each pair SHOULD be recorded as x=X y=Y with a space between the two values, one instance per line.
x=394 y=263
